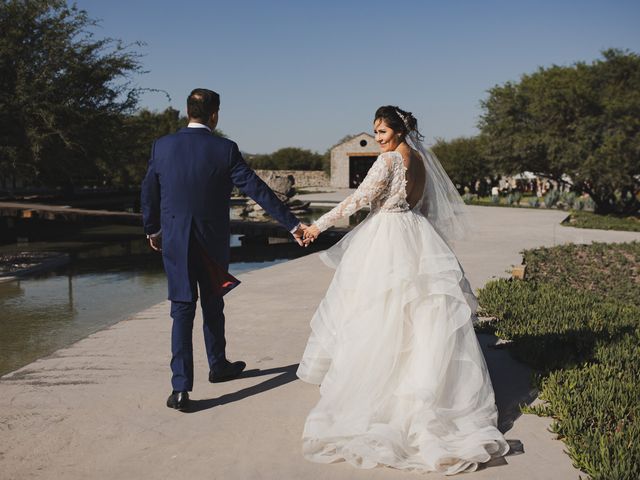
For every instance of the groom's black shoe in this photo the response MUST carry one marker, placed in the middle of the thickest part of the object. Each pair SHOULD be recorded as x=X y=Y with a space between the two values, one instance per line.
x=178 y=400
x=227 y=371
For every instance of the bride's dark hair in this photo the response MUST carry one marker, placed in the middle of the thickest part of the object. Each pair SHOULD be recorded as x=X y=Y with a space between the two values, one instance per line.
x=398 y=120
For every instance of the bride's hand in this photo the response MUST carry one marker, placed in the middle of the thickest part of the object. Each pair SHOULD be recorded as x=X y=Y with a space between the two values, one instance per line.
x=310 y=234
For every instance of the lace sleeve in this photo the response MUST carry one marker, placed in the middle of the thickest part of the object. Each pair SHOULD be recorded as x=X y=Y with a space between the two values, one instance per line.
x=371 y=187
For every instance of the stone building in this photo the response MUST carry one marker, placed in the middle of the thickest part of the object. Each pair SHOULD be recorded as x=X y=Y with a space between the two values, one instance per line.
x=352 y=159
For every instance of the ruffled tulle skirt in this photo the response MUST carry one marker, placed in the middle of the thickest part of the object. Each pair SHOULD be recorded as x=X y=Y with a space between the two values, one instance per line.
x=403 y=379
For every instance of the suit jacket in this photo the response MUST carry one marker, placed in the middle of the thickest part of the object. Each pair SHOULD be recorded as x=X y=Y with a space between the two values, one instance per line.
x=187 y=191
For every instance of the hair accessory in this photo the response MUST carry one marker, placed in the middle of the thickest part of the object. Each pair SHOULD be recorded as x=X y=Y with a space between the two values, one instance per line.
x=403 y=118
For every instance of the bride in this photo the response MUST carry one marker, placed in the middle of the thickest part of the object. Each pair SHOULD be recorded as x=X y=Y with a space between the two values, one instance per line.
x=403 y=381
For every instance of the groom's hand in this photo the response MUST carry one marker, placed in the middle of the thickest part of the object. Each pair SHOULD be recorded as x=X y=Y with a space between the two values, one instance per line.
x=299 y=234
x=156 y=242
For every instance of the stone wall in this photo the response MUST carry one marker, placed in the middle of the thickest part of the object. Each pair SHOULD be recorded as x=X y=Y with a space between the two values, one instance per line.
x=303 y=178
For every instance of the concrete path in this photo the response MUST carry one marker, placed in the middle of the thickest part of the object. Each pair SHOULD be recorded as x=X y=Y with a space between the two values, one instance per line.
x=95 y=410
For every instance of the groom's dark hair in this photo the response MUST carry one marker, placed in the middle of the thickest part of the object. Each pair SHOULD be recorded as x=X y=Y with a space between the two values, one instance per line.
x=202 y=103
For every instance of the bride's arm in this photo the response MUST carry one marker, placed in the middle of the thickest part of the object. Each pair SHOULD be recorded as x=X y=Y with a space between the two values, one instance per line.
x=371 y=187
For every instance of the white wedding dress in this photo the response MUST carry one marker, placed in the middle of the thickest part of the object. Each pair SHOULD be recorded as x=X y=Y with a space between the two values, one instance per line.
x=403 y=381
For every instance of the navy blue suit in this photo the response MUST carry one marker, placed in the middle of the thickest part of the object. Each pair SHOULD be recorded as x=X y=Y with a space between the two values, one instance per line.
x=186 y=194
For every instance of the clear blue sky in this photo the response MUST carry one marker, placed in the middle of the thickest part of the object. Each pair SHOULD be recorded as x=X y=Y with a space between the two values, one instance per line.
x=306 y=73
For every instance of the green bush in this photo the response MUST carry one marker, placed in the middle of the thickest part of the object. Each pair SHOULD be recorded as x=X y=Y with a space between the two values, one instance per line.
x=596 y=414
x=610 y=270
x=551 y=198
x=629 y=223
x=289 y=158
x=568 y=199
x=468 y=198
x=517 y=196
x=576 y=319
x=551 y=326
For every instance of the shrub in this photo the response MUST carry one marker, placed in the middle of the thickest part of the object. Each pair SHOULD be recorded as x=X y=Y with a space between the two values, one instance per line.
x=468 y=198
x=551 y=198
x=517 y=196
x=583 y=219
x=596 y=411
x=589 y=204
x=568 y=199
x=610 y=270
x=576 y=319
x=289 y=158
x=554 y=327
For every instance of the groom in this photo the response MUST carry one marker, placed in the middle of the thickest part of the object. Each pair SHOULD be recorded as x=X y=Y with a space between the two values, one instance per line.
x=185 y=207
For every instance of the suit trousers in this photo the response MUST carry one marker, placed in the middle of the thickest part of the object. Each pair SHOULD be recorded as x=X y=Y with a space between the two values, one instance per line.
x=183 y=314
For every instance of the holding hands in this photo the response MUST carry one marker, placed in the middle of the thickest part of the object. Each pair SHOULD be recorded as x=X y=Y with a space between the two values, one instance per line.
x=306 y=234
x=310 y=234
x=298 y=234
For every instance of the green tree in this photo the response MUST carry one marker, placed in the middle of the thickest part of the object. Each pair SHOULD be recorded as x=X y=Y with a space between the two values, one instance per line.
x=464 y=160
x=136 y=138
x=582 y=121
x=289 y=158
x=138 y=133
x=63 y=94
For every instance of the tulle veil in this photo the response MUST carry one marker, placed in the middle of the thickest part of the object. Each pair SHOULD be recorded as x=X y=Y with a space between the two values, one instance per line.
x=441 y=203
